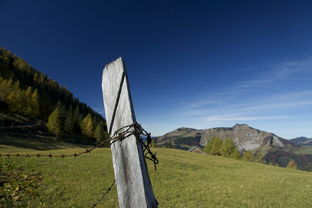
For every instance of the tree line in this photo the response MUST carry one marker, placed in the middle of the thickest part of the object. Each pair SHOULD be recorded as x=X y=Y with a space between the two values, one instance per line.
x=30 y=93
x=69 y=123
x=227 y=148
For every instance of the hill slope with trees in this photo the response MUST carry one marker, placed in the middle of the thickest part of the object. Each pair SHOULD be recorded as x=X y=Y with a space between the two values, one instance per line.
x=32 y=103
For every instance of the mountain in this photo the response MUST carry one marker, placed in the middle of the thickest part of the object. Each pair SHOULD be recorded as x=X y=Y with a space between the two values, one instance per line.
x=244 y=136
x=32 y=104
x=268 y=147
x=304 y=141
x=181 y=138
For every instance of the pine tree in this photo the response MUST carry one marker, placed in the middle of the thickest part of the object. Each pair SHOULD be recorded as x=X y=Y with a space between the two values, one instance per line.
x=77 y=120
x=213 y=146
x=87 y=126
x=35 y=106
x=227 y=147
x=27 y=107
x=69 y=122
x=4 y=89
x=29 y=92
x=15 y=99
x=55 y=122
x=99 y=133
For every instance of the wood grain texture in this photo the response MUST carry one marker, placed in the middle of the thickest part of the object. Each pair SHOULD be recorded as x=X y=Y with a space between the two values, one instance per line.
x=133 y=184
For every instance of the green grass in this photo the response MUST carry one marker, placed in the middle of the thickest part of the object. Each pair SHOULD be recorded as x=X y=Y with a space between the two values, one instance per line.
x=182 y=179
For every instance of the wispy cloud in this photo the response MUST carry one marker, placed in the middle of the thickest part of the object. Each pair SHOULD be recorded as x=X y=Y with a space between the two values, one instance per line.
x=241 y=103
x=276 y=73
x=243 y=118
x=276 y=101
x=288 y=69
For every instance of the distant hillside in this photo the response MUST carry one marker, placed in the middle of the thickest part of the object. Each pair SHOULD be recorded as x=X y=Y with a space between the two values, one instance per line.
x=244 y=136
x=181 y=138
x=268 y=147
x=32 y=103
x=302 y=141
x=282 y=158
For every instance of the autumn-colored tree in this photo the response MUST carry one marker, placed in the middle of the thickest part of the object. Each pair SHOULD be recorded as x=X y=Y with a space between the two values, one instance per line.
x=99 y=133
x=15 y=100
x=55 y=122
x=35 y=106
x=30 y=93
x=87 y=126
x=292 y=164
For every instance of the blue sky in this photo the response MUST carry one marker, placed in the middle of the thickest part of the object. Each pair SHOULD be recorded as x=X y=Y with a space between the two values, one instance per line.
x=199 y=64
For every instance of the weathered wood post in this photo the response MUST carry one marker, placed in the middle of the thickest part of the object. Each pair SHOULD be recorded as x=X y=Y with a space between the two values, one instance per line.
x=133 y=183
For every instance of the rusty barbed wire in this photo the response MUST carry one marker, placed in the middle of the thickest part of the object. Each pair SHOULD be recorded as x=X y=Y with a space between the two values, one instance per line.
x=103 y=195
x=124 y=132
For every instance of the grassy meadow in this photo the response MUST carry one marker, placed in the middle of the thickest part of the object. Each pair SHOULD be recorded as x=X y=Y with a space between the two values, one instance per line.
x=182 y=179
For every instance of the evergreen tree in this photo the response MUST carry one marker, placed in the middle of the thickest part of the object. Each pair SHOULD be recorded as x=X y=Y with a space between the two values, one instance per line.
x=213 y=146
x=29 y=91
x=227 y=147
x=4 y=88
x=27 y=107
x=87 y=126
x=99 y=133
x=35 y=106
x=69 y=122
x=77 y=120
x=55 y=122
x=15 y=101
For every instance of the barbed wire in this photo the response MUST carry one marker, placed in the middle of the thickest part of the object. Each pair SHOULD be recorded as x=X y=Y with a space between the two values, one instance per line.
x=124 y=132
x=103 y=195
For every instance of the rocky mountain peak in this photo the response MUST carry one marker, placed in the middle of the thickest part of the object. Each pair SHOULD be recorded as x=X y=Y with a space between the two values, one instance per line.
x=244 y=136
x=236 y=126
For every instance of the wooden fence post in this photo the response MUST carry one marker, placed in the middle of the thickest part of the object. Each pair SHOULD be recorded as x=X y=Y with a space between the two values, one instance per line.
x=133 y=183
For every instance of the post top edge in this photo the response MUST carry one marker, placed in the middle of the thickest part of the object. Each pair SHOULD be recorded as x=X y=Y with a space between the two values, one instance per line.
x=119 y=59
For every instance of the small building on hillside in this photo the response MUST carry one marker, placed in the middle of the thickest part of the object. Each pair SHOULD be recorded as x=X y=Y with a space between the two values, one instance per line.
x=196 y=149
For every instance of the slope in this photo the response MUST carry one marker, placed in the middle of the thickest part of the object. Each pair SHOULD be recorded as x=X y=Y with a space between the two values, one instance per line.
x=30 y=102
x=182 y=179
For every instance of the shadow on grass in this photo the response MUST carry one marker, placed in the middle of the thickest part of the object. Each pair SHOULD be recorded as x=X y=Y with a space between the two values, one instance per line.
x=33 y=142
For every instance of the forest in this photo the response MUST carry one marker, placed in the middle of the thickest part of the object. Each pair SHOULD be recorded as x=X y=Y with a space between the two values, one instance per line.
x=26 y=92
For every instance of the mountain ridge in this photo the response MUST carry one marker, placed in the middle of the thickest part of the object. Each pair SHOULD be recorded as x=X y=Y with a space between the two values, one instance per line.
x=244 y=136
x=304 y=141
